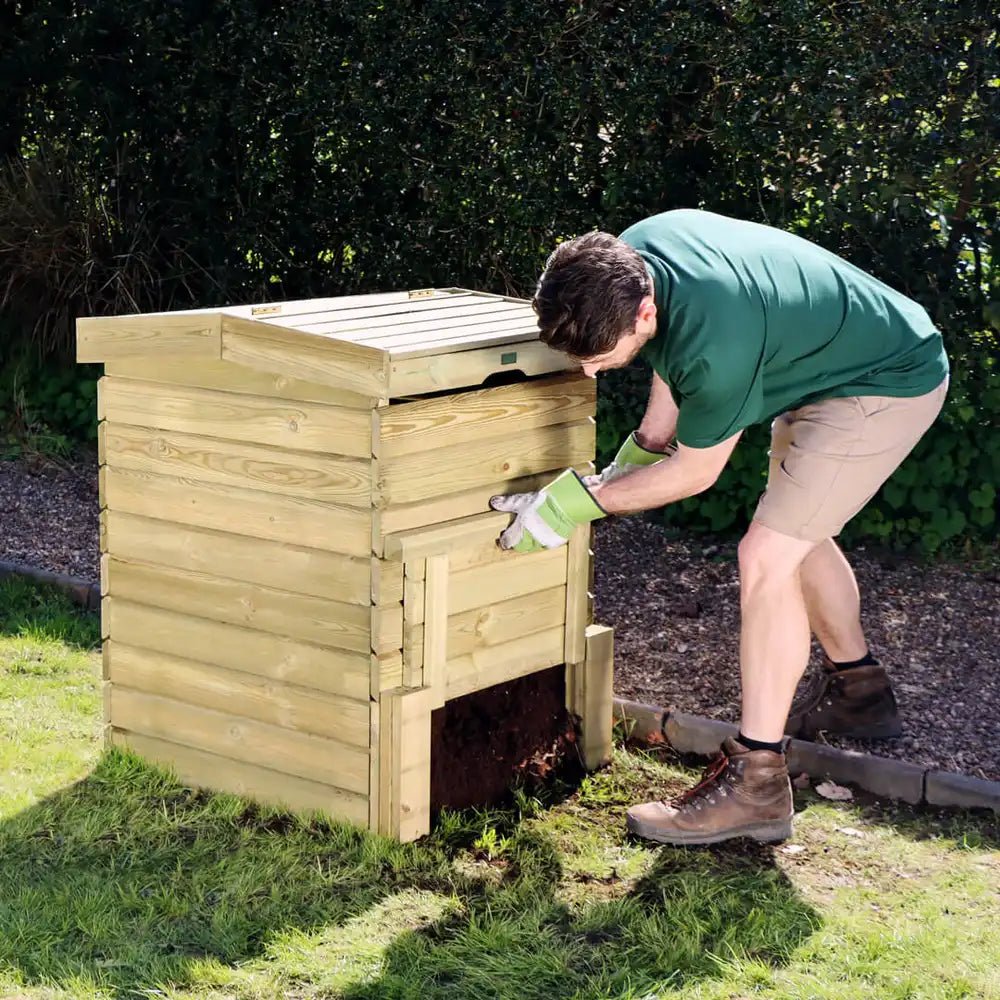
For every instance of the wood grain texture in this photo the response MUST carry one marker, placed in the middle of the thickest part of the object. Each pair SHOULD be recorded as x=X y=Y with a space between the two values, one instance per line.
x=270 y=469
x=504 y=662
x=577 y=606
x=200 y=769
x=192 y=336
x=284 y=566
x=297 y=616
x=232 y=416
x=324 y=526
x=413 y=372
x=468 y=417
x=275 y=657
x=412 y=478
x=488 y=324
x=420 y=317
x=226 y=376
x=437 y=603
x=316 y=758
x=240 y=693
x=301 y=355
x=594 y=695
x=447 y=538
x=405 y=764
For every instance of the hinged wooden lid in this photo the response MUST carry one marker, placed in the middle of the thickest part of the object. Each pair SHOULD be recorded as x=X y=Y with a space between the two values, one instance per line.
x=390 y=345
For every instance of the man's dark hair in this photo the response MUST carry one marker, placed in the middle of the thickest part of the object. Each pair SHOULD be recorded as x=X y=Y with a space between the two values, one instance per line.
x=589 y=293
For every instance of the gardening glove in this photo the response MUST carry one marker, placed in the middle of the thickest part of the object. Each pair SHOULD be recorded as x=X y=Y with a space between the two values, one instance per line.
x=546 y=519
x=631 y=455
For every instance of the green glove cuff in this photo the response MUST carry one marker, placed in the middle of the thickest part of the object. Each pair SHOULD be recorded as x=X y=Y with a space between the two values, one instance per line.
x=571 y=501
x=633 y=453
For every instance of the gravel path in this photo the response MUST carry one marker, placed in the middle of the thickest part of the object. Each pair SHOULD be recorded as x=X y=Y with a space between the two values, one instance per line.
x=674 y=605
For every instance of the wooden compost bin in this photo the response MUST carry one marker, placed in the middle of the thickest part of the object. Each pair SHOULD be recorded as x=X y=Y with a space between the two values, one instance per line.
x=298 y=558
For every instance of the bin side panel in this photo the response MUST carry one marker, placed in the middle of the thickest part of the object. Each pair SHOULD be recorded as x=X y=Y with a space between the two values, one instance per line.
x=187 y=335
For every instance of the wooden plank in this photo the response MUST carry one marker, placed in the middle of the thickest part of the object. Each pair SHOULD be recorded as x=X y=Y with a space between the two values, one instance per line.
x=516 y=334
x=577 y=578
x=298 y=616
x=225 y=376
x=412 y=372
x=504 y=662
x=296 y=354
x=593 y=696
x=387 y=762
x=405 y=771
x=199 y=769
x=485 y=322
x=490 y=626
x=317 y=758
x=281 y=471
x=437 y=602
x=481 y=586
x=387 y=628
x=463 y=418
x=419 y=543
x=291 y=520
x=413 y=611
x=299 y=426
x=336 y=671
x=387 y=581
x=294 y=568
x=103 y=338
x=412 y=478
x=434 y=314
x=240 y=693
x=438 y=510
x=360 y=315
x=386 y=672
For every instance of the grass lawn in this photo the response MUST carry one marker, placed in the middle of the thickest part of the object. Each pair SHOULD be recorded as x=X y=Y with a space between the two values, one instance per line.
x=116 y=882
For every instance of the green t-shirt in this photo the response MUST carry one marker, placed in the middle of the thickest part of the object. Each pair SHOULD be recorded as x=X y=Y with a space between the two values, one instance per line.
x=753 y=321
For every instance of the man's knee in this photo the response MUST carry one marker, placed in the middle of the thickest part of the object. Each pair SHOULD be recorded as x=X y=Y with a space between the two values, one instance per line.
x=767 y=557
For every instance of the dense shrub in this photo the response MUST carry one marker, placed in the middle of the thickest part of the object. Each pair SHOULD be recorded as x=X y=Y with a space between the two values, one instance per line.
x=168 y=154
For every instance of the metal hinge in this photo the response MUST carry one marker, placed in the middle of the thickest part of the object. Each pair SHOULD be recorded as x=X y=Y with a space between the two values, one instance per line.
x=421 y=293
x=264 y=310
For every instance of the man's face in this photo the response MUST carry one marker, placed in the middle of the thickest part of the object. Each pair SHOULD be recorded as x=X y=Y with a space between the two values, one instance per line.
x=628 y=346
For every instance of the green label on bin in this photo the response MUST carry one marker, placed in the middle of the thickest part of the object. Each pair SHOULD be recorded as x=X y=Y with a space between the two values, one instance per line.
x=509 y=358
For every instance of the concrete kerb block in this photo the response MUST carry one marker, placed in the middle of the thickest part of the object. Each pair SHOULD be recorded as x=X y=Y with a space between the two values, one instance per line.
x=947 y=788
x=641 y=722
x=882 y=776
x=78 y=590
x=693 y=734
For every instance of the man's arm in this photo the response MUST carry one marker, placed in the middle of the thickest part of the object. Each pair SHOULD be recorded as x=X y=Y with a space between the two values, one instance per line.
x=689 y=471
x=659 y=425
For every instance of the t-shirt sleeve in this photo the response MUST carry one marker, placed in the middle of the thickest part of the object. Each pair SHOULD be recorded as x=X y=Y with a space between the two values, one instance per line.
x=717 y=378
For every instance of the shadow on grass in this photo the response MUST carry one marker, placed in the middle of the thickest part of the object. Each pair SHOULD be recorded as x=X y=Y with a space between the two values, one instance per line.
x=126 y=879
x=45 y=613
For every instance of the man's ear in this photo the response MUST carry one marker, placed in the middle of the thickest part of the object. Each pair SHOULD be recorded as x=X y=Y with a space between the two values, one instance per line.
x=647 y=310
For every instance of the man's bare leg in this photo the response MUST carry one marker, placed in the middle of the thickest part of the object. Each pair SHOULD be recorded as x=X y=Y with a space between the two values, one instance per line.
x=833 y=602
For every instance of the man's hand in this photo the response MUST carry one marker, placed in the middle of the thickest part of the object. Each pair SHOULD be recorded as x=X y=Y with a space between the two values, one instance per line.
x=546 y=519
x=631 y=455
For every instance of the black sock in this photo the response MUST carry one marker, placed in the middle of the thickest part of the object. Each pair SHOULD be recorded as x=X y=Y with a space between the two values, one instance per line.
x=866 y=661
x=759 y=744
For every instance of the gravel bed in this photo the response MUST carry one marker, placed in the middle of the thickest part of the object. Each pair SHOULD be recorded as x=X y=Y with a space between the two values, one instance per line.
x=674 y=604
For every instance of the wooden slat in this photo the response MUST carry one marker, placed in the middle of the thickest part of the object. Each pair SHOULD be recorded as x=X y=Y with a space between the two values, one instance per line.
x=361 y=314
x=405 y=764
x=336 y=671
x=468 y=417
x=577 y=579
x=411 y=478
x=440 y=315
x=484 y=585
x=103 y=338
x=412 y=546
x=386 y=672
x=288 y=567
x=200 y=769
x=298 y=616
x=306 y=356
x=437 y=605
x=316 y=758
x=590 y=689
x=490 y=626
x=515 y=334
x=325 y=526
x=240 y=693
x=387 y=581
x=452 y=506
x=234 y=463
x=234 y=417
x=387 y=628
x=414 y=371
x=225 y=376
x=413 y=612
x=504 y=662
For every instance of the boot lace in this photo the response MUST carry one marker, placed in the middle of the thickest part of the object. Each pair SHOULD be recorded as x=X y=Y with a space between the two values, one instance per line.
x=713 y=772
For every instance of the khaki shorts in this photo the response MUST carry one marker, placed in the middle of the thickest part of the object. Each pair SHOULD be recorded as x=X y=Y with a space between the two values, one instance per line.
x=828 y=459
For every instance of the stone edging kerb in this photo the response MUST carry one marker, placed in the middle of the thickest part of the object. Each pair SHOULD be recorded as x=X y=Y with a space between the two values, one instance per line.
x=78 y=590
x=882 y=776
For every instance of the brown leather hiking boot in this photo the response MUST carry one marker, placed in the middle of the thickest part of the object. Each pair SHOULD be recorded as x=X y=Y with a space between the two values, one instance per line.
x=743 y=793
x=856 y=702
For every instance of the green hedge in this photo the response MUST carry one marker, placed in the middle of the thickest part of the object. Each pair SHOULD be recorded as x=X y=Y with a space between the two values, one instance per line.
x=168 y=154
